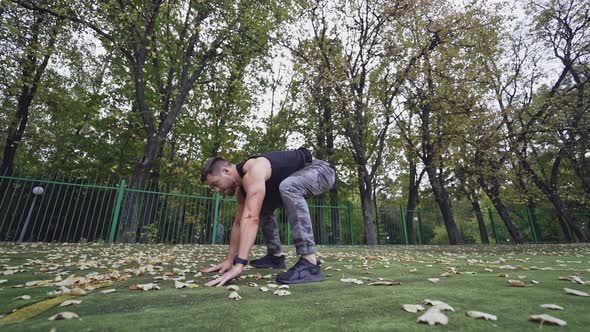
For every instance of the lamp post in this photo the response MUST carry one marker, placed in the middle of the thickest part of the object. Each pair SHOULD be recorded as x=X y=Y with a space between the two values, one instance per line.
x=37 y=191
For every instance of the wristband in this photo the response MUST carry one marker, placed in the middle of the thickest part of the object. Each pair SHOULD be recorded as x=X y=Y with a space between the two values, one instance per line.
x=238 y=260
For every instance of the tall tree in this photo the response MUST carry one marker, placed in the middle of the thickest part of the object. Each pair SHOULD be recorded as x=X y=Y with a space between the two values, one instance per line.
x=29 y=40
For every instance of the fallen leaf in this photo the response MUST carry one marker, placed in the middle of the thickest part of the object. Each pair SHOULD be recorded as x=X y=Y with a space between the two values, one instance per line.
x=385 y=283
x=503 y=275
x=3 y=281
x=64 y=315
x=107 y=291
x=272 y=285
x=575 y=292
x=445 y=274
x=77 y=291
x=481 y=315
x=282 y=292
x=412 y=307
x=551 y=306
x=179 y=285
x=264 y=289
x=352 y=280
x=488 y=270
x=284 y=287
x=234 y=296
x=547 y=319
x=69 y=302
x=439 y=304
x=434 y=280
x=433 y=316
x=516 y=283
x=23 y=297
x=144 y=287
x=232 y=288
x=252 y=284
x=535 y=282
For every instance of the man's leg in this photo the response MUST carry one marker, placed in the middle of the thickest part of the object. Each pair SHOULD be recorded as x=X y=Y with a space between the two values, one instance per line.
x=314 y=179
x=270 y=232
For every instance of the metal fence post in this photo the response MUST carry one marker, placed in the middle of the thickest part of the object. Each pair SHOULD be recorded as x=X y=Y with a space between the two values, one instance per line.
x=530 y=213
x=349 y=206
x=120 y=193
x=215 y=218
x=404 y=225
x=493 y=225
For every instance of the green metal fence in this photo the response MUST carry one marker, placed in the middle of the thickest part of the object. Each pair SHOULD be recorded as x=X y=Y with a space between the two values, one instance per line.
x=62 y=209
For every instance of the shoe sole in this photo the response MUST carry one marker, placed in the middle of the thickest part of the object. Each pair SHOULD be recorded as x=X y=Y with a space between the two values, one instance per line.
x=310 y=278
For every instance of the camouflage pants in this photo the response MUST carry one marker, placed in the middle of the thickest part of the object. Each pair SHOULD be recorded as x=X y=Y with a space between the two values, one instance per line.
x=314 y=179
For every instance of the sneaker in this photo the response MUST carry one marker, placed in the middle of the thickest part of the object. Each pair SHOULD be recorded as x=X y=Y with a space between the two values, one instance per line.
x=303 y=271
x=272 y=261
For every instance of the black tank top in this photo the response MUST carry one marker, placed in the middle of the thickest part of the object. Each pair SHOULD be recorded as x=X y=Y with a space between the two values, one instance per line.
x=283 y=164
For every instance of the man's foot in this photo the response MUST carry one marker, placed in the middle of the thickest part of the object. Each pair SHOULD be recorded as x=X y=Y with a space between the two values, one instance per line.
x=303 y=271
x=272 y=261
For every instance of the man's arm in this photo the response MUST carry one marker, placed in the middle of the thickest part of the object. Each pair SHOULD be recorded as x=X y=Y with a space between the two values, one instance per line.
x=234 y=242
x=243 y=237
x=254 y=184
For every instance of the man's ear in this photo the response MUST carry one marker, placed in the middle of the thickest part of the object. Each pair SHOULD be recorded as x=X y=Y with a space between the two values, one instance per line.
x=226 y=170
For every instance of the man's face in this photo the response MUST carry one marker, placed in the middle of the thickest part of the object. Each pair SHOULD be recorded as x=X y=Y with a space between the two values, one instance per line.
x=222 y=183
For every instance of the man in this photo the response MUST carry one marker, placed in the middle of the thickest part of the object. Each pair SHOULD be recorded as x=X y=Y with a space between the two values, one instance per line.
x=263 y=183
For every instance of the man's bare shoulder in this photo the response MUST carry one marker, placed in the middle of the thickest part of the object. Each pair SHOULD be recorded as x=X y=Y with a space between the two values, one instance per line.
x=260 y=165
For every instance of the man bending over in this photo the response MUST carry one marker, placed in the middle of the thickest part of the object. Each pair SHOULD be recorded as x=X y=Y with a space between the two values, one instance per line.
x=263 y=183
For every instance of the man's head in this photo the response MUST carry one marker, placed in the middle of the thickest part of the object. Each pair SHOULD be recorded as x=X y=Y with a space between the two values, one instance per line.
x=217 y=173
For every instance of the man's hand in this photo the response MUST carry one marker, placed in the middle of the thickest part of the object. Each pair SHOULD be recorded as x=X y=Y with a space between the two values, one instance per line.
x=234 y=272
x=221 y=267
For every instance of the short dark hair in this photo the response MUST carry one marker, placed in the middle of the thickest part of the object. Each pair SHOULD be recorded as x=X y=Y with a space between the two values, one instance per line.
x=213 y=166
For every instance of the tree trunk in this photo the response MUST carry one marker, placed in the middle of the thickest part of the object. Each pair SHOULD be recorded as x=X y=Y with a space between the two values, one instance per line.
x=367 y=206
x=492 y=190
x=442 y=199
x=147 y=171
x=483 y=232
x=550 y=191
x=414 y=183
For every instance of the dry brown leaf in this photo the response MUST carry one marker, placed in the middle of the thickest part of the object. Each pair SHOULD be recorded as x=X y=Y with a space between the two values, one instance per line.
x=412 y=307
x=547 y=319
x=433 y=316
x=77 y=291
x=64 y=315
x=516 y=283
x=481 y=315
x=503 y=275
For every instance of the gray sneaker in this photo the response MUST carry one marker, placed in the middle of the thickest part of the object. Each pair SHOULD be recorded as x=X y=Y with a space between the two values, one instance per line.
x=302 y=272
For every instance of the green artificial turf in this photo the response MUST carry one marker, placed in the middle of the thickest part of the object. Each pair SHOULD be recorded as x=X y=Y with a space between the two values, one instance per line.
x=331 y=305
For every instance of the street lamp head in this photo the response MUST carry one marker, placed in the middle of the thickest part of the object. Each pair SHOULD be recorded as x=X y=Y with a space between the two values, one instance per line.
x=38 y=190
